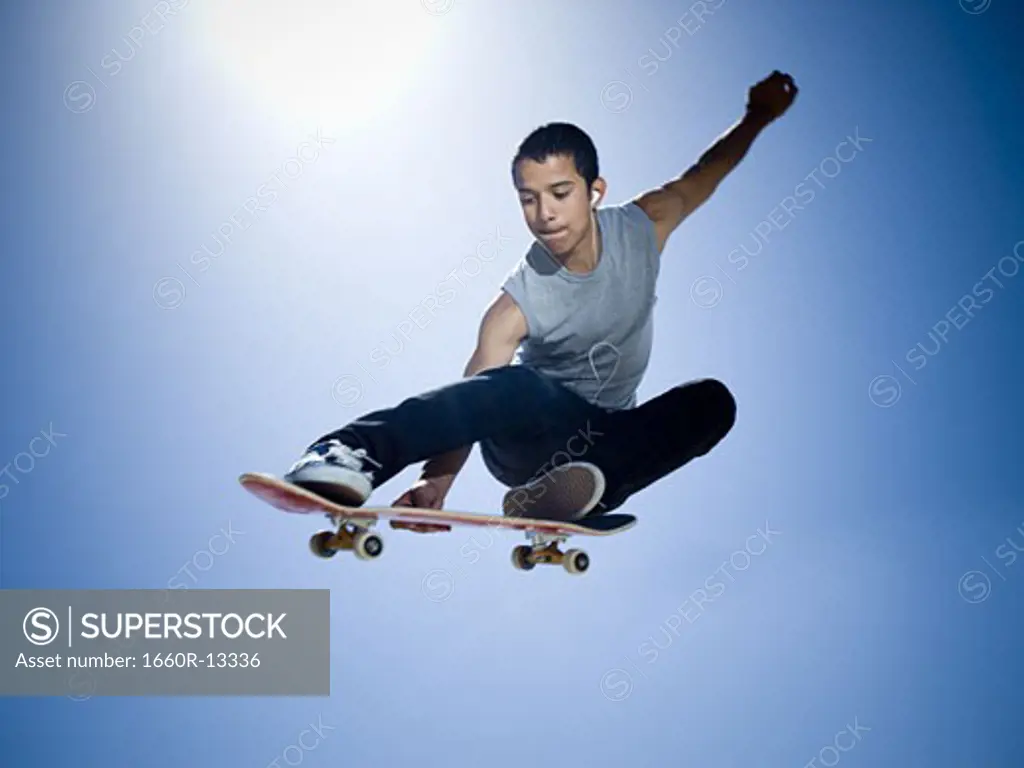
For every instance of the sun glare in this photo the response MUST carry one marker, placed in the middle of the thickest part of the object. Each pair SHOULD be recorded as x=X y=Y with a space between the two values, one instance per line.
x=333 y=62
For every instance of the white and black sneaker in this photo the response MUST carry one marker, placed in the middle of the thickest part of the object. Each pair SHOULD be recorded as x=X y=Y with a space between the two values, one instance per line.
x=566 y=493
x=335 y=471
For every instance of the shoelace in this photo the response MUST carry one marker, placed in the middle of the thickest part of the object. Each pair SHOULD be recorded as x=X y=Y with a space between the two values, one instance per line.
x=348 y=457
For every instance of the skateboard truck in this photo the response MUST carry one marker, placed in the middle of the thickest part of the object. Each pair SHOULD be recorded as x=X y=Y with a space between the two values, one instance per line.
x=351 y=535
x=545 y=550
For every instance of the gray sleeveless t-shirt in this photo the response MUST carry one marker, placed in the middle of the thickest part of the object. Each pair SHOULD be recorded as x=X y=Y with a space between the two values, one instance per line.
x=592 y=332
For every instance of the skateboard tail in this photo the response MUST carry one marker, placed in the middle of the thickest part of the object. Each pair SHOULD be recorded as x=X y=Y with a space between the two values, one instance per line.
x=285 y=497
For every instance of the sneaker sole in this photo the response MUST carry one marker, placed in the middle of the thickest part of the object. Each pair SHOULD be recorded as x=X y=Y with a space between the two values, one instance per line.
x=566 y=494
x=341 y=486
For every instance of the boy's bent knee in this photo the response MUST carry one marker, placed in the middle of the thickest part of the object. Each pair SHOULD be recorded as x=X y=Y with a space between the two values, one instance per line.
x=721 y=402
x=713 y=400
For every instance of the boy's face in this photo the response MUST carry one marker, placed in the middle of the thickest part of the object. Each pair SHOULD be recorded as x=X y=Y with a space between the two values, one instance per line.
x=556 y=202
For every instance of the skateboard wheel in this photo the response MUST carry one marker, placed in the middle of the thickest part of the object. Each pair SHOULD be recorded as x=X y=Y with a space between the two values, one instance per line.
x=576 y=561
x=521 y=558
x=318 y=544
x=367 y=545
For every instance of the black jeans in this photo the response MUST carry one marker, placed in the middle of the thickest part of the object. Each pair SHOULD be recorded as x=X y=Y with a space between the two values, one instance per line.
x=521 y=413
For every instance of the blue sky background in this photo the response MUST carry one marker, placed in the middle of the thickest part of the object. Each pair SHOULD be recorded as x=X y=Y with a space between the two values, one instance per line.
x=888 y=603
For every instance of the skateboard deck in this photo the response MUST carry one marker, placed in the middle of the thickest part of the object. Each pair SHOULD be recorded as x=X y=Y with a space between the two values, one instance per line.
x=352 y=525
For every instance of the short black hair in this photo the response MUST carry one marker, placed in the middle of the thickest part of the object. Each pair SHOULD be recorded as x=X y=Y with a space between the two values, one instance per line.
x=560 y=139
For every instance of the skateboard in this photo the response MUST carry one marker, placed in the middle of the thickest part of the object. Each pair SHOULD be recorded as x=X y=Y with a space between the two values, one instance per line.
x=352 y=525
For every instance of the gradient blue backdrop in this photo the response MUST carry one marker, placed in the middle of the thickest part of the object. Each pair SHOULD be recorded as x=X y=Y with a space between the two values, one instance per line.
x=890 y=599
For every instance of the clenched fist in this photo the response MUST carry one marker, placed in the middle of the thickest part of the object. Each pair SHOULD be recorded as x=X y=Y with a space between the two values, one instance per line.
x=771 y=97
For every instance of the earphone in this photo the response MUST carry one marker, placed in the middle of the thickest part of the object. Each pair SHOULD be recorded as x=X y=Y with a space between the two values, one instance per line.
x=594 y=196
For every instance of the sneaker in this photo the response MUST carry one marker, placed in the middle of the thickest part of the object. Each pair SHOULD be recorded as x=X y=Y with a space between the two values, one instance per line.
x=566 y=493
x=334 y=471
